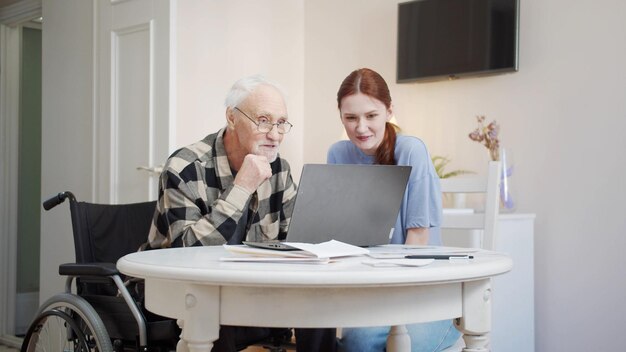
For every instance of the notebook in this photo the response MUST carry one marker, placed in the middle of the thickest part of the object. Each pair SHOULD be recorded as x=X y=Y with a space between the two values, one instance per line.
x=354 y=204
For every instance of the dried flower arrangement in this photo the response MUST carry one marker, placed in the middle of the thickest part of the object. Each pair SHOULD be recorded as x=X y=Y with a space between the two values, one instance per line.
x=488 y=136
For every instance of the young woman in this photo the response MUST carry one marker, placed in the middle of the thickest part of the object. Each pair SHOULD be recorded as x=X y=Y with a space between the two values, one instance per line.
x=365 y=109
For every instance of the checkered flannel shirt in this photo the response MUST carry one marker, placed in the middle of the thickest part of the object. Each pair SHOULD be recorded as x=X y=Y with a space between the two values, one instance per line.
x=199 y=204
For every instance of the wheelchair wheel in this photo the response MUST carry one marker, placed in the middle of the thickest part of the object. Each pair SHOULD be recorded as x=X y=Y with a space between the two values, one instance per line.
x=67 y=323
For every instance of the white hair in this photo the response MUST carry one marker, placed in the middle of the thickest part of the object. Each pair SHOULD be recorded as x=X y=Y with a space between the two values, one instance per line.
x=244 y=86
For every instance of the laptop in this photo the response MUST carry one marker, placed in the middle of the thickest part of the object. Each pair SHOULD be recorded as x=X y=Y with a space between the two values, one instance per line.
x=355 y=204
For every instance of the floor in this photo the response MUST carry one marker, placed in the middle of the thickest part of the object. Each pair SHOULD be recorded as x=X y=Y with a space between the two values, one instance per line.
x=4 y=348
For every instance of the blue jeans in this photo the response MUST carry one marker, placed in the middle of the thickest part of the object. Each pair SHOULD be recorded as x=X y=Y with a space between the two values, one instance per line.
x=425 y=337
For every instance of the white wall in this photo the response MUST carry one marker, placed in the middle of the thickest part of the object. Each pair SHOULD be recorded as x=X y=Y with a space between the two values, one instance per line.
x=66 y=129
x=222 y=41
x=563 y=116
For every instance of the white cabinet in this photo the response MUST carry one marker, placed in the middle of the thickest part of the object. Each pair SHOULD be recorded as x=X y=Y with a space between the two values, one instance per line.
x=513 y=324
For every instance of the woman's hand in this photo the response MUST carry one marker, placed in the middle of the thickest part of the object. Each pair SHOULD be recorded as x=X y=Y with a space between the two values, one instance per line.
x=417 y=236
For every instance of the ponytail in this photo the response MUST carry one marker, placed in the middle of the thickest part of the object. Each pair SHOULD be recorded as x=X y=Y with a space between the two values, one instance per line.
x=385 y=152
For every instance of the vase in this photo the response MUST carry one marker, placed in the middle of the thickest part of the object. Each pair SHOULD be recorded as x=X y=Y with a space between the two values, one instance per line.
x=507 y=201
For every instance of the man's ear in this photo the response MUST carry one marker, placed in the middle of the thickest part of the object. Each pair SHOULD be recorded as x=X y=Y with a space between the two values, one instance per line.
x=230 y=118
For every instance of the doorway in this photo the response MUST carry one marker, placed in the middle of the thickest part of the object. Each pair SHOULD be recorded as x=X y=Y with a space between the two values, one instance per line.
x=21 y=78
x=29 y=179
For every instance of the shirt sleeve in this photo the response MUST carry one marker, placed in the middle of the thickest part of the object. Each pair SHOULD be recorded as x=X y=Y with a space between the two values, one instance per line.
x=423 y=205
x=330 y=155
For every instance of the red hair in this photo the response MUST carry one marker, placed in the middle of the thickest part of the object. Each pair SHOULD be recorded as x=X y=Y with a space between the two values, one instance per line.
x=372 y=84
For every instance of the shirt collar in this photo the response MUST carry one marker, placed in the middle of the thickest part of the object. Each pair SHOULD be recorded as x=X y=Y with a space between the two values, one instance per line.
x=362 y=157
x=222 y=166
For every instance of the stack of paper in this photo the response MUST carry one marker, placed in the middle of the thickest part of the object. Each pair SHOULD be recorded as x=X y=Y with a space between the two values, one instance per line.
x=397 y=252
x=397 y=262
x=307 y=253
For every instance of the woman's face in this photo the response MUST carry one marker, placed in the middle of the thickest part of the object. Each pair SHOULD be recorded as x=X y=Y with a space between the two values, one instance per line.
x=364 y=119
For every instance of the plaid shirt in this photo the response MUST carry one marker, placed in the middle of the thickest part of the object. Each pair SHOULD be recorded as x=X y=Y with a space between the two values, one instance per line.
x=199 y=204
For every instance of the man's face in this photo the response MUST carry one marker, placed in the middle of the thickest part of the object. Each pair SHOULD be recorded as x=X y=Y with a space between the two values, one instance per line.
x=265 y=103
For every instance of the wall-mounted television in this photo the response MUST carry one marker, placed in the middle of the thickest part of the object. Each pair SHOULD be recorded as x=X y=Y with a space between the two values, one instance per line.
x=446 y=39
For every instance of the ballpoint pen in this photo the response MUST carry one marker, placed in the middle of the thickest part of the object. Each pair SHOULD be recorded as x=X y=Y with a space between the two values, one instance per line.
x=438 y=256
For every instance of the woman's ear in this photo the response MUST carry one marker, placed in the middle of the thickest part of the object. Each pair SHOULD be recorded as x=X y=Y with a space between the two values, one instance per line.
x=389 y=114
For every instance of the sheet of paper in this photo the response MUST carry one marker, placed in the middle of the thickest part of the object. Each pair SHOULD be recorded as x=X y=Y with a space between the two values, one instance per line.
x=330 y=249
x=390 y=252
x=291 y=260
x=325 y=250
x=260 y=252
x=398 y=262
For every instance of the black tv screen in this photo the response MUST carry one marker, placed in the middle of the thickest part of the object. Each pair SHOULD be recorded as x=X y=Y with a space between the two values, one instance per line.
x=445 y=39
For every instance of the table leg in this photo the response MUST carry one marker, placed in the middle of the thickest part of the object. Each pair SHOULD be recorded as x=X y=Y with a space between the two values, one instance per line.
x=398 y=339
x=476 y=343
x=200 y=323
x=181 y=346
x=475 y=323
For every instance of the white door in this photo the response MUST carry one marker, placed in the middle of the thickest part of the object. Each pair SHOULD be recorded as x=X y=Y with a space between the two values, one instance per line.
x=135 y=93
x=107 y=102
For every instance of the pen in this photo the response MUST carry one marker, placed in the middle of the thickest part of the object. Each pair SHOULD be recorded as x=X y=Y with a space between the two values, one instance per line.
x=439 y=256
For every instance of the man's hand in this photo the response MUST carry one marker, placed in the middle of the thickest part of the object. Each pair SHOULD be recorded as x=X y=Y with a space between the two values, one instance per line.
x=254 y=170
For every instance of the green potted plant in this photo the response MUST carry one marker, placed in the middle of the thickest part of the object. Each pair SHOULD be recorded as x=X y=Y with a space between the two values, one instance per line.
x=456 y=200
x=440 y=163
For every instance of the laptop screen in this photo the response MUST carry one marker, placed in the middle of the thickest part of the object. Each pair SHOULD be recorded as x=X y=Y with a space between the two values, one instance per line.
x=355 y=204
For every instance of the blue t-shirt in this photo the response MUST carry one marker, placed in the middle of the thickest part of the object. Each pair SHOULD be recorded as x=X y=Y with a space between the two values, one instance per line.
x=421 y=205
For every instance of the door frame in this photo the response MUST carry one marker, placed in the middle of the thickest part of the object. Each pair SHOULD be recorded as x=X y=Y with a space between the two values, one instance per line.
x=9 y=122
x=10 y=41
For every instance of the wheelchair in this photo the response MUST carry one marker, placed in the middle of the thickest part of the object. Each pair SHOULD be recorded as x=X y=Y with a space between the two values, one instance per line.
x=106 y=313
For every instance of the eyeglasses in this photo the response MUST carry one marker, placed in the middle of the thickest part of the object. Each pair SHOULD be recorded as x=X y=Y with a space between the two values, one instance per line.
x=264 y=126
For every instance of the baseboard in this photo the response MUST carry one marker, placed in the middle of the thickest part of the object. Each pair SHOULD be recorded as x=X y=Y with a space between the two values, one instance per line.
x=26 y=305
x=11 y=341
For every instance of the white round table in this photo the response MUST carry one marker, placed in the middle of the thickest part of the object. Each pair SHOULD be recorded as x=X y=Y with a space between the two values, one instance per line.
x=194 y=286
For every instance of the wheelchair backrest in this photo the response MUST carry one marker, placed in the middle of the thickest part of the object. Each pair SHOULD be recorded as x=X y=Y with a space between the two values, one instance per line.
x=106 y=232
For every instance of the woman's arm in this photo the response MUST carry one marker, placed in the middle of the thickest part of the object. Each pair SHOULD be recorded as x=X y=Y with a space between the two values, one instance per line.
x=417 y=235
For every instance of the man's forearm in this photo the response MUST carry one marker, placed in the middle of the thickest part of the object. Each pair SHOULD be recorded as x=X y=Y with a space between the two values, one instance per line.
x=188 y=224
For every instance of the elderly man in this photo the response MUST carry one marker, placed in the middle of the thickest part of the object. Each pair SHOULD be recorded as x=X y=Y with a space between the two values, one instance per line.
x=233 y=186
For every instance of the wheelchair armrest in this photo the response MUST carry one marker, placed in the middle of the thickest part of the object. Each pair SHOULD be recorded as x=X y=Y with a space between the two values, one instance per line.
x=88 y=269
